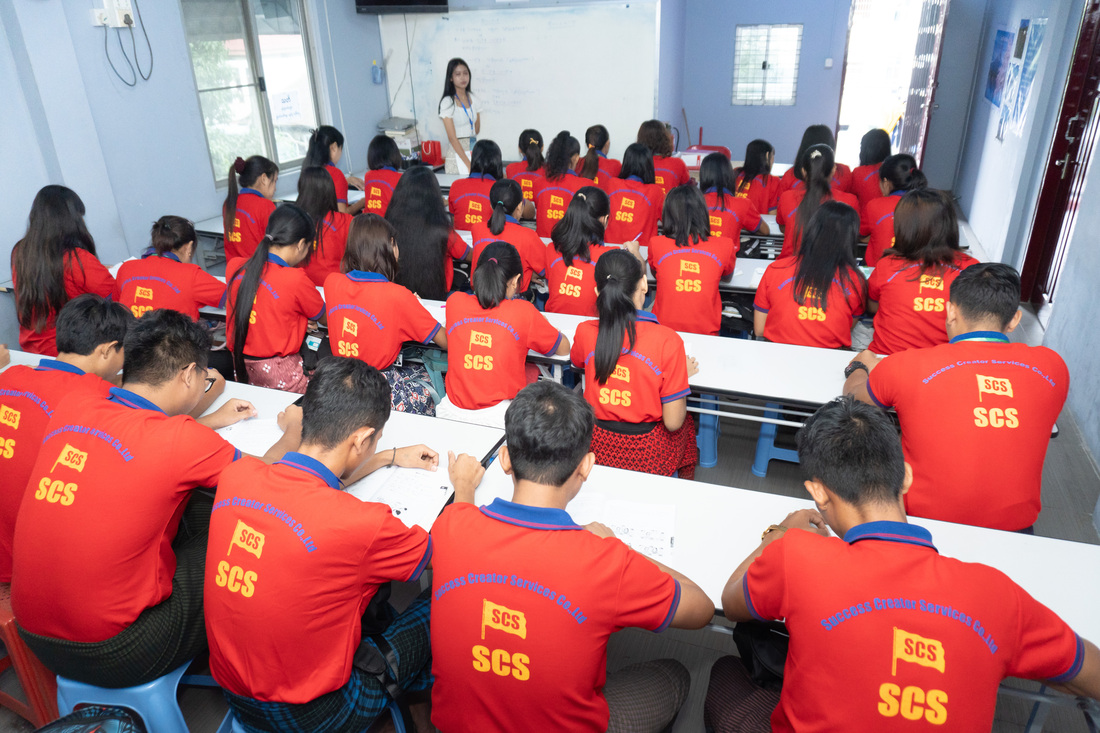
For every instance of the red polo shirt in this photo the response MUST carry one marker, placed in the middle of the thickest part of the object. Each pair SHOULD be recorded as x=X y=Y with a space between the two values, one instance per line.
x=285 y=303
x=608 y=168
x=763 y=191
x=378 y=188
x=807 y=325
x=249 y=224
x=340 y=181
x=457 y=249
x=573 y=287
x=86 y=275
x=687 y=282
x=93 y=545
x=635 y=210
x=865 y=184
x=878 y=221
x=487 y=349
x=370 y=318
x=275 y=531
x=994 y=403
x=532 y=250
x=552 y=198
x=842 y=180
x=670 y=172
x=527 y=179
x=786 y=216
x=646 y=377
x=164 y=282
x=530 y=600
x=735 y=214
x=923 y=640
x=911 y=306
x=469 y=200
x=325 y=259
x=28 y=398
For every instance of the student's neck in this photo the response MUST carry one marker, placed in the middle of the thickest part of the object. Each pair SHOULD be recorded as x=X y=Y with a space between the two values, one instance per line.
x=285 y=253
x=83 y=363
x=530 y=493
x=960 y=327
x=159 y=395
x=845 y=516
x=328 y=456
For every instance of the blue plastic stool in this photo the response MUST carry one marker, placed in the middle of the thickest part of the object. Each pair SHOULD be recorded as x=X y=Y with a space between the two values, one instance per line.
x=230 y=724
x=765 y=445
x=710 y=427
x=154 y=701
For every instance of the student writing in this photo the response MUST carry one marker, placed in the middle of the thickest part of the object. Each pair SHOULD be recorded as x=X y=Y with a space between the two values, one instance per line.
x=468 y=198
x=503 y=226
x=577 y=245
x=636 y=200
x=795 y=177
x=754 y=179
x=326 y=148
x=898 y=175
x=384 y=170
x=798 y=205
x=731 y=212
x=248 y=204
x=669 y=172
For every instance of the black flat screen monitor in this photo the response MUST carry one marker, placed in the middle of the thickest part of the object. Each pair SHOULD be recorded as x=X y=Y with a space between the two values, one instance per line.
x=401 y=6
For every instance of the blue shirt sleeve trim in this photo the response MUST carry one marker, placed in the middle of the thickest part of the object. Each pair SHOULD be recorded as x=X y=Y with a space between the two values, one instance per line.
x=319 y=313
x=236 y=454
x=556 y=345
x=225 y=294
x=871 y=394
x=423 y=562
x=673 y=397
x=671 y=609
x=432 y=334
x=748 y=598
x=1075 y=668
x=759 y=309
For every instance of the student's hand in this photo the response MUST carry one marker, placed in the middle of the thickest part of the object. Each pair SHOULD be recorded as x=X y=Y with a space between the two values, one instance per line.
x=465 y=472
x=234 y=411
x=868 y=357
x=807 y=519
x=311 y=326
x=634 y=248
x=5 y=356
x=693 y=366
x=600 y=530
x=356 y=182
x=416 y=456
x=290 y=420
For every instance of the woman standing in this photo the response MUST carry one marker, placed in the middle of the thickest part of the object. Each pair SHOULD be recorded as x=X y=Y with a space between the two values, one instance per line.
x=461 y=117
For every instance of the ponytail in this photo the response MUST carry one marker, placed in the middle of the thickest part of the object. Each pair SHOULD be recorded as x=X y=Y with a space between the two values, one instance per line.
x=530 y=146
x=756 y=164
x=249 y=172
x=817 y=169
x=716 y=172
x=497 y=265
x=287 y=225
x=595 y=138
x=581 y=227
x=814 y=135
x=505 y=195
x=902 y=173
x=617 y=275
x=320 y=142
x=170 y=233
x=685 y=217
x=561 y=152
x=317 y=197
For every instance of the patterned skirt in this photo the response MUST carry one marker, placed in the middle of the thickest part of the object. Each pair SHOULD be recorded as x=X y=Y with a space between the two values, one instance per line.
x=409 y=389
x=278 y=372
x=654 y=451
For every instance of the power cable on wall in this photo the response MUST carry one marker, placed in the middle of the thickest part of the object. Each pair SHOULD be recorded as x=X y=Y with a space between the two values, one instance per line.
x=135 y=66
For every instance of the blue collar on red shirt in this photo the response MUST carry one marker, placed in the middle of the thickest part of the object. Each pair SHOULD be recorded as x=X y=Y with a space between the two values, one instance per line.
x=981 y=336
x=482 y=176
x=361 y=276
x=277 y=260
x=252 y=191
x=388 y=168
x=59 y=366
x=601 y=153
x=311 y=466
x=645 y=316
x=909 y=534
x=899 y=193
x=126 y=397
x=532 y=517
x=714 y=189
x=637 y=179
x=153 y=253
x=510 y=219
x=331 y=165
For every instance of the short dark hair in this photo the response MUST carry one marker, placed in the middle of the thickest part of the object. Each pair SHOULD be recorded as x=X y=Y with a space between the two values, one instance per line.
x=160 y=344
x=854 y=449
x=343 y=396
x=987 y=290
x=87 y=321
x=548 y=429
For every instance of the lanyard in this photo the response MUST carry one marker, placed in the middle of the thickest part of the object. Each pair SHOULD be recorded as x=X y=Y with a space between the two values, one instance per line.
x=471 y=119
x=994 y=336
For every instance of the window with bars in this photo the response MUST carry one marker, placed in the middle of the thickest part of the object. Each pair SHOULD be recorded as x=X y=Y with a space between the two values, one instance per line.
x=765 y=64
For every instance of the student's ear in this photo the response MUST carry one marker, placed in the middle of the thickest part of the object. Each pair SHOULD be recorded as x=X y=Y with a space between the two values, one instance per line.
x=817 y=492
x=106 y=350
x=907 y=481
x=605 y=218
x=363 y=442
x=1014 y=322
x=951 y=314
x=505 y=460
x=585 y=466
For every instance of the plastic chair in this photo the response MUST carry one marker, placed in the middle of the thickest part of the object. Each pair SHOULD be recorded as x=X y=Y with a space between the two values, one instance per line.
x=710 y=427
x=710 y=149
x=230 y=723
x=38 y=683
x=765 y=445
x=154 y=701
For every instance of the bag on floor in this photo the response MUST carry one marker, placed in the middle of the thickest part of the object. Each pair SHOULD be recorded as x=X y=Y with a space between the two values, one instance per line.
x=763 y=650
x=96 y=719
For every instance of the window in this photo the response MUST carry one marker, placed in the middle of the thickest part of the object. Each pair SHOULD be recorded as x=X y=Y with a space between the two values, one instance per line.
x=254 y=78
x=765 y=64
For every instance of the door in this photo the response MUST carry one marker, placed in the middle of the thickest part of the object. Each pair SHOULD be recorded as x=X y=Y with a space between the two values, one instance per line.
x=913 y=128
x=1067 y=166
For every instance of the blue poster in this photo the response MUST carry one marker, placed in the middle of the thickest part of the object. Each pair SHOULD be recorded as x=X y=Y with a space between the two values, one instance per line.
x=998 y=67
x=1027 y=72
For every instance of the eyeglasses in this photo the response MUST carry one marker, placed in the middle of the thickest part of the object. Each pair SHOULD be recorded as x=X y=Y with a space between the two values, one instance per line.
x=210 y=382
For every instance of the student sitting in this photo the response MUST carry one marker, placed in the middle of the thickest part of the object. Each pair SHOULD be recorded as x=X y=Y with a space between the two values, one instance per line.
x=528 y=172
x=488 y=336
x=669 y=172
x=317 y=198
x=636 y=200
x=920 y=636
x=384 y=164
x=898 y=175
x=53 y=262
x=636 y=377
x=370 y=316
x=90 y=332
x=874 y=148
x=165 y=276
x=993 y=401
x=326 y=148
x=271 y=302
x=908 y=289
x=248 y=205
x=798 y=205
x=552 y=194
x=579 y=585
x=754 y=179
x=307 y=582
x=730 y=213
x=503 y=226
x=110 y=543
x=468 y=198
x=811 y=299
x=795 y=178
x=425 y=234
x=577 y=246
x=594 y=164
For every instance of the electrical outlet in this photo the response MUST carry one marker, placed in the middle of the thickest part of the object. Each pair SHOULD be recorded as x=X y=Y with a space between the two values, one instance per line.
x=114 y=13
x=99 y=17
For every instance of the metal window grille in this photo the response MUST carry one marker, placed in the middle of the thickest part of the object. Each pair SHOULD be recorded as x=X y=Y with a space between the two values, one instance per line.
x=765 y=64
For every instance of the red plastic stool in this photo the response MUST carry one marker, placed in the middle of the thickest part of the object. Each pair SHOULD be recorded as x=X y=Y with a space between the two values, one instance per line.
x=39 y=684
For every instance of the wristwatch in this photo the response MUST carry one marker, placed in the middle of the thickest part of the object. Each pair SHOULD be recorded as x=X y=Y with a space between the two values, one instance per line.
x=853 y=366
x=771 y=529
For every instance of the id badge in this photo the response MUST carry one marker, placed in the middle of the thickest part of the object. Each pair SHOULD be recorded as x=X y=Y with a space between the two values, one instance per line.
x=313 y=342
x=400 y=360
x=473 y=141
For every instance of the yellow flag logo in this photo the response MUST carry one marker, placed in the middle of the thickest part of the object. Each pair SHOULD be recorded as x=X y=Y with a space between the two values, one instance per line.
x=146 y=293
x=628 y=203
x=351 y=327
x=495 y=616
x=556 y=200
x=10 y=417
x=622 y=373
x=526 y=183
x=375 y=191
x=477 y=338
x=247 y=539
x=660 y=180
x=574 y=272
x=71 y=457
x=689 y=266
x=475 y=206
x=918 y=650
x=994 y=386
x=931 y=282
x=715 y=221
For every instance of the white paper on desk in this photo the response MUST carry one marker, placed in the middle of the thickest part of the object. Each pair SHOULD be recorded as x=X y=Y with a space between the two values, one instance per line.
x=415 y=496
x=757 y=275
x=647 y=528
x=254 y=435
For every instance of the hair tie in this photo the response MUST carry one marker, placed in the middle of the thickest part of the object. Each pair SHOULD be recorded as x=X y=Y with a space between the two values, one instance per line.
x=499 y=203
x=268 y=236
x=815 y=154
x=532 y=141
x=591 y=146
x=238 y=165
x=493 y=259
x=581 y=196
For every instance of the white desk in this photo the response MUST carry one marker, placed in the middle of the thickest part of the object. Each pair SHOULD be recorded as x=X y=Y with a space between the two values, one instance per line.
x=354 y=195
x=212 y=227
x=24 y=358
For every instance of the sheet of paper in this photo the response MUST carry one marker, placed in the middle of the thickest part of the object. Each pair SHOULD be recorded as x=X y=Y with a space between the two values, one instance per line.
x=648 y=528
x=414 y=495
x=254 y=435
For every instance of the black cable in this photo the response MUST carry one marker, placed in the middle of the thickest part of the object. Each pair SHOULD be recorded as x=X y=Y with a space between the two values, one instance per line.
x=137 y=10
x=118 y=35
x=412 y=83
x=107 y=53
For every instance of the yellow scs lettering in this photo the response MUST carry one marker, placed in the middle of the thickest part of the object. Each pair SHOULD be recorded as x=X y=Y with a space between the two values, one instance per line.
x=615 y=397
x=236 y=579
x=912 y=703
x=810 y=313
x=55 y=491
x=995 y=417
x=501 y=662
x=478 y=362
x=7 y=447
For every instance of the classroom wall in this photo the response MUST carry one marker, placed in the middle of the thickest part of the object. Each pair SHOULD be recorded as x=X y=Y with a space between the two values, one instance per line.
x=708 y=72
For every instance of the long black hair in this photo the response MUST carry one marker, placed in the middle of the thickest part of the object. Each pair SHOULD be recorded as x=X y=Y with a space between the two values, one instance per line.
x=814 y=135
x=530 y=146
x=371 y=240
x=497 y=265
x=716 y=172
x=246 y=173
x=580 y=228
x=817 y=172
x=617 y=276
x=685 y=217
x=383 y=152
x=828 y=253
x=560 y=155
x=55 y=228
x=317 y=197
x=638 y=161
x=874 y=147
x=485 y=159
x=926 y=229
x=595 y=138
x=449 y=85
x=756 y=164
x=169 y=233
x=902 y=173
x=655 y=135
x=320 y=144
x=505 y=195
x=287 y=225
x=420 y=218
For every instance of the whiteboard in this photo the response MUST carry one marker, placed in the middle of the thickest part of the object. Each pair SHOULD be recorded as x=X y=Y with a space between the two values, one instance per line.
x=530 y=68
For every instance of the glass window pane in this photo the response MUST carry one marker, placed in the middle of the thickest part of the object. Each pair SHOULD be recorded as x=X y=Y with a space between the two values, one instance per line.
x=285 y=62
x=233 y=126
x=216 y=38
